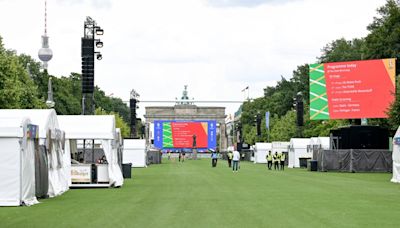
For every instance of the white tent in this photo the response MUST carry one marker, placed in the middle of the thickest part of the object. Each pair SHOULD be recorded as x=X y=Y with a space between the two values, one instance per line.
x=396 y=157
x=260 y=152
x=58 y=162
x=313 y=142
x=17 y=163
x=324 y=142
x=280 y=147
x=135 y=152
x=100 y=128
x=298 y=149
x=319 y=142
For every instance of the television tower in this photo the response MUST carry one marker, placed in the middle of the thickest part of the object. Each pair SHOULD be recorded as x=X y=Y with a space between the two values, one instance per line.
x=45 y=53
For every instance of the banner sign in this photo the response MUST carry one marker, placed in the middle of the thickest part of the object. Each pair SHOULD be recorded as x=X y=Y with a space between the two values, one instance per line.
x=185 y=134
x=32 y=131
x=267 y=120
x=81 y=173
x=352 y=90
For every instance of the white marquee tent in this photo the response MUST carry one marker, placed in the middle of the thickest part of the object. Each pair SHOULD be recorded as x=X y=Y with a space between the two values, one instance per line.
x=313 y=142
x=324 y=142
x=95 y=127
x=17 y=163
x=58 y=161
x=261 y=151
x=396 y=157
x=298 y=149
x=135 y=152
x=280 y=147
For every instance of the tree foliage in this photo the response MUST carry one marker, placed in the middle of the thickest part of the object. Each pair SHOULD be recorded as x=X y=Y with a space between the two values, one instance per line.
x=383 y=41
x=17 y=89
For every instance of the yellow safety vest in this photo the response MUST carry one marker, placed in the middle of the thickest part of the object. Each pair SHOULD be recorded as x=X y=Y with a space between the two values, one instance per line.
x=276 y=158
x=269 y=157
x=283 y=157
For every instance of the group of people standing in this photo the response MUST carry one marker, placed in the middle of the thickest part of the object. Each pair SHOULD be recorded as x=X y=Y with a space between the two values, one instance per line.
x=181 y=156
x=277 y=159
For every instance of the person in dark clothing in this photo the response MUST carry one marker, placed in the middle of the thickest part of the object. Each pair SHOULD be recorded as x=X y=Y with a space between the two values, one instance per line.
x=282 y=158
x=276 y=161
x=269 y=160
x=230 y=156
x=183 y=156
x=214 y=158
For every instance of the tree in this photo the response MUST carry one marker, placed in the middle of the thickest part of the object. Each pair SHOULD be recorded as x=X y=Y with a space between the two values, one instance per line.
x=111 y=104
x=343 y=50
x=383 y=41
x=284 y=128
x=17 y=90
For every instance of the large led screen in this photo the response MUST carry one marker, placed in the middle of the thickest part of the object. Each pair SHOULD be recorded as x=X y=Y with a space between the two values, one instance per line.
x=181 y=134
x=352 y=90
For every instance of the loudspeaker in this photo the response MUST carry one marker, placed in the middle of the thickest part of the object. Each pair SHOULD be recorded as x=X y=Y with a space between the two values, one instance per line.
x=300 y=113
x=87 y=65
x=362 y=137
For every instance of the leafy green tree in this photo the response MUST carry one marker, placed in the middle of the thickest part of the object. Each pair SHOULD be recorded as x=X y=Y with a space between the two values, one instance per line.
x=111 y=104
x=383 y=41
x=17 y=90
x=343 y=50
x=284 y=128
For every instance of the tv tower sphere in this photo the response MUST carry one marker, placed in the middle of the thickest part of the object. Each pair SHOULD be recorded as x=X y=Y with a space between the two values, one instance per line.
x=45 y=53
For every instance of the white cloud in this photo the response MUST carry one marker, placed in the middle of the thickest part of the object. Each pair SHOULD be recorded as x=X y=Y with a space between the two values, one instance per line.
x=157 y=46
x=245 y=3
x=94 y=3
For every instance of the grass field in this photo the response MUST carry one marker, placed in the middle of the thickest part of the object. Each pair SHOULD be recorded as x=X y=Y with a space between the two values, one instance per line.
x=192 y=194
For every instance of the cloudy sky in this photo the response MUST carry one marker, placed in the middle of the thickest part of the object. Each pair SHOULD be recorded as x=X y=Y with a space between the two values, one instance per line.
x=216 y=47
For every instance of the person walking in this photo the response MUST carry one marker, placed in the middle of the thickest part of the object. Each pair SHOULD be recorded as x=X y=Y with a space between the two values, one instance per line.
x=214 y=158
x=235 y=160
x=269 y=160
x=169 y=154
x=283 y=157
x=229 y=155
x=276 y=161
x=183 y=156
x=179 y=156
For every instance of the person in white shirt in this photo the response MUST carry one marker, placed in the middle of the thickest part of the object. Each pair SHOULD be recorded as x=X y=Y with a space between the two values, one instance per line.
x=235 y=160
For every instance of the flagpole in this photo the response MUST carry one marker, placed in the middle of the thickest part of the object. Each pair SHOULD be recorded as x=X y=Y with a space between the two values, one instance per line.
x=248 y=93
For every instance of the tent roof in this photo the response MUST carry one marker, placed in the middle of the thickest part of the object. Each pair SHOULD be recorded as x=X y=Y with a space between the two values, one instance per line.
x=88 y=126
x=45 y=118
x=134 y=143
x=313 y=141
x=325 y=142
x=13 y=126
x=263 y=146
x=299 y=142
x=280 y=144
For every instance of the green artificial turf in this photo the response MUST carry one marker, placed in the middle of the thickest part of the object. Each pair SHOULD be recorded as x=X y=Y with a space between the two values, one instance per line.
x=193 y=194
